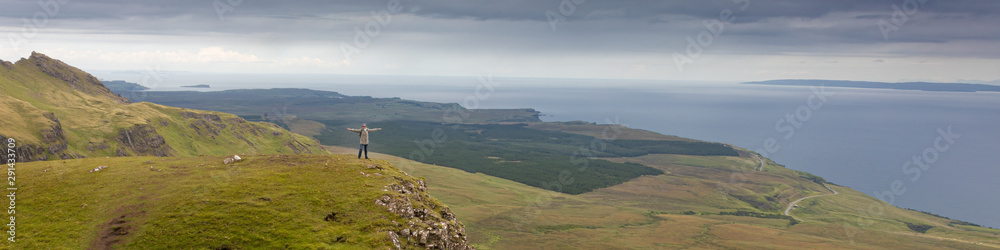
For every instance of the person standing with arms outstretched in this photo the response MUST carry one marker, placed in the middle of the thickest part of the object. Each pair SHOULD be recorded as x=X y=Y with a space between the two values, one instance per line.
x=363 y=132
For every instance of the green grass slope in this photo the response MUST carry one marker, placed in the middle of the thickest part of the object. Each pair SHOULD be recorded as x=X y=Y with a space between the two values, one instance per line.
x=56 y=111
x=267 y=202
x=690 y=206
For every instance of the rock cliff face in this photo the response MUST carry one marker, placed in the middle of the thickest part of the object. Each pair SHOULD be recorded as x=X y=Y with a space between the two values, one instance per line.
x=54 y=139
x=206 y=125
x=53 y=143
x=23 y=152
x=143 y=140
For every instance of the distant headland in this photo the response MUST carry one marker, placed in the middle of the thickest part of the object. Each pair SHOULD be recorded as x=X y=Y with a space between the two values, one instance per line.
x=924 y=86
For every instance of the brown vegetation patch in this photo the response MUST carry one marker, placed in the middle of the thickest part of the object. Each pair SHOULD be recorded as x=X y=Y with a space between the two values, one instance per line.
x=120 y=226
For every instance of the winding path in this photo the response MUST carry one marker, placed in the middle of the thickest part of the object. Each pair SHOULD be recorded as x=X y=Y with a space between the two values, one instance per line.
x=814 y=196
x=790 y=206
x=761 y=168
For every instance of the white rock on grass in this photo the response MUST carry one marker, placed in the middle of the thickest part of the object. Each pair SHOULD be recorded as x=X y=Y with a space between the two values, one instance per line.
x=233 y=159
x=98 y=168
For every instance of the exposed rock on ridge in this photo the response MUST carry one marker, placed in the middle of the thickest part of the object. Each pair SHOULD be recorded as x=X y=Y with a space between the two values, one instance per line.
x=424 y=228
x=74 y=77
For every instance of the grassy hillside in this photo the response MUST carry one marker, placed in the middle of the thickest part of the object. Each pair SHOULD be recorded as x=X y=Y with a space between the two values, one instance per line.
x=56 y=111
x=274 y=202
x=681 y=209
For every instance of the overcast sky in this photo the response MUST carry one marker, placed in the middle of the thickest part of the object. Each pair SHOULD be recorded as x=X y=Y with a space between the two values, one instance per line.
x=727 y=40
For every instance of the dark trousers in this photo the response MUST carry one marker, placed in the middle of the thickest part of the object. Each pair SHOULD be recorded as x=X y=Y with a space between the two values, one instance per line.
x=364 y=147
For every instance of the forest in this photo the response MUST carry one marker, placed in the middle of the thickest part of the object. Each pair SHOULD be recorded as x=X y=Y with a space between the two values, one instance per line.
x=553 y=160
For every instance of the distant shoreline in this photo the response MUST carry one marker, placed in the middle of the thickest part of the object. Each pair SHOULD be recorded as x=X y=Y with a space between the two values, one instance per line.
x=923 y=86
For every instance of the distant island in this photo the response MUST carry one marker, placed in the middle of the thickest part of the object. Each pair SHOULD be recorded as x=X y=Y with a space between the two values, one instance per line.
x=204 y=86
x=923 y=86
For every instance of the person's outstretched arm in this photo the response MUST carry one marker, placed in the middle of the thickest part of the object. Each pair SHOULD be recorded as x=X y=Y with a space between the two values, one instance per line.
x=374 y=129
x=354 y=130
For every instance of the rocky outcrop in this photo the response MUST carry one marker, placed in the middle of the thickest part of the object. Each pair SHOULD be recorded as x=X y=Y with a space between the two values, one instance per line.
x=73 y=76
x=54 y=139
x=204 y=128
x=242 y=125
x=53 y=144
x=6 y=64
x=97 y=146
x=298 y=147
x=206 y=116
x=208 y=125
x=425 y=228
x=23 y=152
x=143 y=140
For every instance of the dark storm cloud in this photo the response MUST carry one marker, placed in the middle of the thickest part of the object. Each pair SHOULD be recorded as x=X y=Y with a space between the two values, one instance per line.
x=621 y=25
x=517 y=10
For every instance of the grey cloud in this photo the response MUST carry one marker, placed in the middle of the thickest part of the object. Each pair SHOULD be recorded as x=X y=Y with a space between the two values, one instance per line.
x=595 y=26
x=532 y=10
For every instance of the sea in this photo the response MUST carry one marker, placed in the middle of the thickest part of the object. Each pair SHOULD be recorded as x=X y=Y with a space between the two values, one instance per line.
x=937 y=152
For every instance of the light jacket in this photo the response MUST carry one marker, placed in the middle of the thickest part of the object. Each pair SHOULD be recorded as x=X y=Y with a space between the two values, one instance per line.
x=364 y=133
